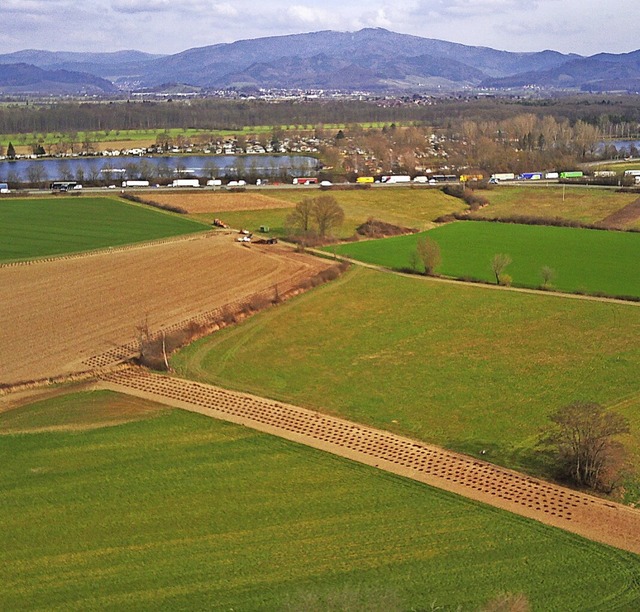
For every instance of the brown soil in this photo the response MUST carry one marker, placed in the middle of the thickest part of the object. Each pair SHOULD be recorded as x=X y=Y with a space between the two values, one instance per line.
x=622 y=218
x=573 y=511
x=210 y=201
x=56 y=314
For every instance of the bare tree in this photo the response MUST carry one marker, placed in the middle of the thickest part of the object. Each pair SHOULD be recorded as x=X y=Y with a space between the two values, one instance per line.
x=428 y=251
x=548 y=275
x=498 y=264
x=327 y=213
x=300 y=218
x=582 y=438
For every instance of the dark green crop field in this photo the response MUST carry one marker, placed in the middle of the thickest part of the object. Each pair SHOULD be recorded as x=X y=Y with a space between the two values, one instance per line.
x=40 y=227
x=583 y=260
x=176 y=511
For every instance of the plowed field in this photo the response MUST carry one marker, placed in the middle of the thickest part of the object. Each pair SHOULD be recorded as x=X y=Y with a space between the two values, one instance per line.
x=55 y=314
x=209 y=201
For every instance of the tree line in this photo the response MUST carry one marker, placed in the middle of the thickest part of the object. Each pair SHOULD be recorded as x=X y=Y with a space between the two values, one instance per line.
x=616 y=117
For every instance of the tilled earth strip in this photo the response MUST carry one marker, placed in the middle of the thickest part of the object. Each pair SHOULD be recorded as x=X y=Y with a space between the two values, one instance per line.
x=573 y=511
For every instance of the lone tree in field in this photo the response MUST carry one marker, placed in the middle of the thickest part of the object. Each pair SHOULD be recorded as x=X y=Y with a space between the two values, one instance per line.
x=11 y=151
x=428 y=251
x=300 y=218
x=315 y=217
x=581 y=436
x=498 y=264
x=548 y=274
x=327 y=213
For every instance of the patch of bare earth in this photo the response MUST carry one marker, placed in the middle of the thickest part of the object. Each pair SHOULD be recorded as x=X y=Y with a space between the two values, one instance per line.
x=57 y=314
x=573 y=511
x=213 y=201
x=622 y=218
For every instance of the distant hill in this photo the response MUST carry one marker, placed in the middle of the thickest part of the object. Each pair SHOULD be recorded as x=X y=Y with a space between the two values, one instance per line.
x=372 y=59
x=377 y=58
x=602 y=72
x=28 y=79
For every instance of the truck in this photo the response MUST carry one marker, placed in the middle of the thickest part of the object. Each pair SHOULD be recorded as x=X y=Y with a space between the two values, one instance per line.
x=190 y=182
x=305 y=181
x=571 y=174
x=214 y=183
x=364 y=179
x=502 y=176
x=126 y=184
x=4 y=188
x=466 y=178
x=420 y=180
x=531 y=176
x=394 y=179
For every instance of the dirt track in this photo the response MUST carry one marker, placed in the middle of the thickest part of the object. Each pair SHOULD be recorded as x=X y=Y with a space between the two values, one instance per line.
x=585 y=515
x=58 y=314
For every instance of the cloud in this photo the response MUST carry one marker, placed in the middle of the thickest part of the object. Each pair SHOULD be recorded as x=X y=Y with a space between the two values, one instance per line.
x=226 y=10
x=142 y=6
x=309 y=15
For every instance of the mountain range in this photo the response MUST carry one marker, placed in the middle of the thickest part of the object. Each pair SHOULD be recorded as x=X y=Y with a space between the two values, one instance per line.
x=374 y=60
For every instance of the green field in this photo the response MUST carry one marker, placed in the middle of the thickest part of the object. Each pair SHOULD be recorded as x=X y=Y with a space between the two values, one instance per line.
x=40 y=227
x=468 y=368
x=130 y=138
x=178 y=511
x=576 y=203
x=414 y=208
x=590 y=261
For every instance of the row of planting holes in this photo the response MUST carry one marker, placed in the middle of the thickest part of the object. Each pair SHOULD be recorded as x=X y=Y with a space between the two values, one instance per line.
x=466 y=472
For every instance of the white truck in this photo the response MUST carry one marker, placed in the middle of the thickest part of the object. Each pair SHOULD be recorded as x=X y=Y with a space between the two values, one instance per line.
x=135 y=184
x=190 y=182
x=502 y=176
x=394 y=179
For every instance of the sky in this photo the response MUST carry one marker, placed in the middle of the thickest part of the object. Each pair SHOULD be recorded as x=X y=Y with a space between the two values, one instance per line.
x=585 y=27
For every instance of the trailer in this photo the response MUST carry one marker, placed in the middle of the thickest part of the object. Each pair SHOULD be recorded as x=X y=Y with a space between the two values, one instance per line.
x=305 y=181
x=192 y=182
x=364 y=179
x=126 y=184
x=395 y=179
x=531 y=176
x=502 y=176
x=466 y=178
x=571 y=174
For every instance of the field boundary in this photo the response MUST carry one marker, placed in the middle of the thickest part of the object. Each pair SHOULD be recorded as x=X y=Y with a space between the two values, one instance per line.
x=481 y=284
x=574 y=511
x=113 y=249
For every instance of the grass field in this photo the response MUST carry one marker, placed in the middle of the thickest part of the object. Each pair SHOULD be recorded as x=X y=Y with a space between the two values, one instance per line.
x=177 y=511
x=415 y=208
x=143 y=138
x=469 y=368
x=587 y=205
x=40 y=227
x=583 y=260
